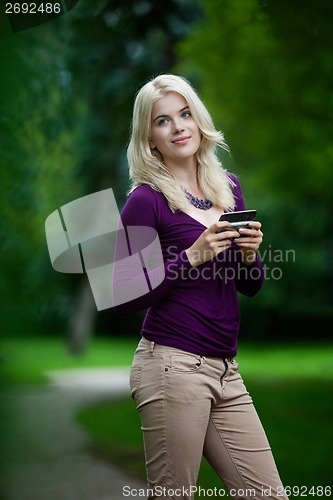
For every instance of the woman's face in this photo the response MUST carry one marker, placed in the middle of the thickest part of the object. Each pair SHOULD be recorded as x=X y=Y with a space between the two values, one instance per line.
x=173 y=130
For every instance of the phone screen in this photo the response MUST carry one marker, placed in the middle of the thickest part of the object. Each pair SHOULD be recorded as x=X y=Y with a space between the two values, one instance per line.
x=240 y=216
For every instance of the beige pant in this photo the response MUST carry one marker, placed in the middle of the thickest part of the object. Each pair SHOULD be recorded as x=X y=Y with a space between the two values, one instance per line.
x=192 y=405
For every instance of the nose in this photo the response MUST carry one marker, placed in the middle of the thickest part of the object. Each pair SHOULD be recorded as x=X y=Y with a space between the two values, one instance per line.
x=177 y=126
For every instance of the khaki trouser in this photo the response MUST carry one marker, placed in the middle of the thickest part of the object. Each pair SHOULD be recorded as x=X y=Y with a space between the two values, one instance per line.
x=192 y=405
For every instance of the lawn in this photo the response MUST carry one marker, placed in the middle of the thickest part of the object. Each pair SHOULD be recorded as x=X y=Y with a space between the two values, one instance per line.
x=27 y=359
x=300 y=432
x=292 y=386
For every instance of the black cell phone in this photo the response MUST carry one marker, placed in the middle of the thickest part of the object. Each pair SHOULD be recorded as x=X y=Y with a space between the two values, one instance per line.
x=240 y=218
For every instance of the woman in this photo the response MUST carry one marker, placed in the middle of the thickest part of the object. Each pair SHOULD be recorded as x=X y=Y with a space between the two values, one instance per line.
x=184 y=377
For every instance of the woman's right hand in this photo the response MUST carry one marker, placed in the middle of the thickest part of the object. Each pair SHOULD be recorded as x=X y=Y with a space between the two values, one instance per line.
x=214 y=240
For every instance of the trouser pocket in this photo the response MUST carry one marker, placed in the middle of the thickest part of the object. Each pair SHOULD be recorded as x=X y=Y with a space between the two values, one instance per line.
x=135 y=376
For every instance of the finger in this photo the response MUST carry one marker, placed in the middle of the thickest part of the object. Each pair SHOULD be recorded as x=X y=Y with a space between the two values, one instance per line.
x=227 y=235
x=219 y=226
x=253 y=233
x=248 y=243
x=255 y=224
x=220 y=243
x=251 y=237
x=222 y=248
x=219 y=233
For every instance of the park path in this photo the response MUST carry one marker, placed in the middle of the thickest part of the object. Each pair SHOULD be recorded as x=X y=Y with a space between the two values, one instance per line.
x=45 y=453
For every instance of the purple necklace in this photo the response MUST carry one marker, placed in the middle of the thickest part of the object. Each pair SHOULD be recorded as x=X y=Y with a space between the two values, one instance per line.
x=197 y=202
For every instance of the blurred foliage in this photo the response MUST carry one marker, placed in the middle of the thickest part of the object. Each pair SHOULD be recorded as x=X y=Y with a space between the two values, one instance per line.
x=264 y=69
x=38 y=158
x=66 y=104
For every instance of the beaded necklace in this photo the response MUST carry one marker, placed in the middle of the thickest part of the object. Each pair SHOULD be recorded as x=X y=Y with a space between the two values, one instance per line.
x=197 y=202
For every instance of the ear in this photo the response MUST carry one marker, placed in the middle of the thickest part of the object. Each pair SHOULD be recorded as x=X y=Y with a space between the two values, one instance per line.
x=152 y=144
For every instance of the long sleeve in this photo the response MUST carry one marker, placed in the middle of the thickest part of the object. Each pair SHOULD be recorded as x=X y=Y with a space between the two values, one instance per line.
x=249 y=278
x=141 y=276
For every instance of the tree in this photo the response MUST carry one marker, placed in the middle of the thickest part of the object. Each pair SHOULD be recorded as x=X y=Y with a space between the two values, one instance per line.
x=67 y=126
x=264 y=69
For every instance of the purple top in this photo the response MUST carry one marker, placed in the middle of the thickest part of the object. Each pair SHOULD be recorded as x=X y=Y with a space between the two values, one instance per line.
x=194 y=309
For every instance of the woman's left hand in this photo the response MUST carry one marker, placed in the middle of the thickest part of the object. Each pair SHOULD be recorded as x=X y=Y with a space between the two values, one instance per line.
x=249 y=241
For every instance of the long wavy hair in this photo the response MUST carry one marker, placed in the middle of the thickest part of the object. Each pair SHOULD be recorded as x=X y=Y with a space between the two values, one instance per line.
x=146 y=165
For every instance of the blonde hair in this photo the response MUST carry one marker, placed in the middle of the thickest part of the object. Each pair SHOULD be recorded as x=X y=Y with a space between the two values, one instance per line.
x=146 y=165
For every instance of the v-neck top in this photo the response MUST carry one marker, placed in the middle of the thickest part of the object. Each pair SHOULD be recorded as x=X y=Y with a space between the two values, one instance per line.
x=193 y=309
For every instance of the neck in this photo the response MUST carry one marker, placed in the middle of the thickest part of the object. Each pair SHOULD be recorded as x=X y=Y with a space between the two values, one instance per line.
x=186 y=174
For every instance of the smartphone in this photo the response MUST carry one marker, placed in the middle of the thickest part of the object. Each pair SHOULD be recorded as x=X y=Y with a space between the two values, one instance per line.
x=239 y=219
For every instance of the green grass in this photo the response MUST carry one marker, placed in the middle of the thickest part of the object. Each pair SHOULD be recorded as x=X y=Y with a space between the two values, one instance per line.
x=292 y=388
x=296 y=416
x=25 y=360
x=305 y=361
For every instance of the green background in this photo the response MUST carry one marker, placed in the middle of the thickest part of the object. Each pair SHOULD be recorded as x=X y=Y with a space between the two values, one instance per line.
x=264 y=68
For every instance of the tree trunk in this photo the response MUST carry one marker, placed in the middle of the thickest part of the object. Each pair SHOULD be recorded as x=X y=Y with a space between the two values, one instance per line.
x=82 y=319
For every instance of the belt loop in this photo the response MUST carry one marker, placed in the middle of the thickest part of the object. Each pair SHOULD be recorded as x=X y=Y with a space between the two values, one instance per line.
x=152 y=345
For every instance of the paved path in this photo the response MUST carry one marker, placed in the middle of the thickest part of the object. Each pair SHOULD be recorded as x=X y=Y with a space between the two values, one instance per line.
x=45 y=453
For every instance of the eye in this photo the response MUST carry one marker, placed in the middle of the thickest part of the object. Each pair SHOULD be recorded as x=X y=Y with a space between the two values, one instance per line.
x=162 y=121
x=186 y=114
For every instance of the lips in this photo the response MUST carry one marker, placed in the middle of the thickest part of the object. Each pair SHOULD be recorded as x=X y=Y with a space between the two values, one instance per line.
x=182 y=140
